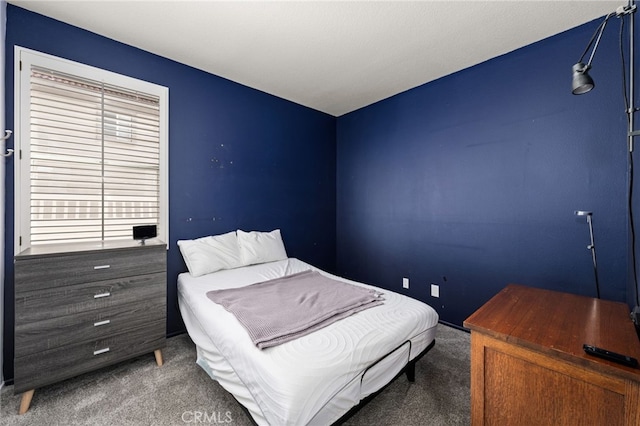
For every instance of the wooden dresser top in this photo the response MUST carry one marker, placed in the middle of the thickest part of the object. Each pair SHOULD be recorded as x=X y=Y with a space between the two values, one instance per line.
x=559 y=324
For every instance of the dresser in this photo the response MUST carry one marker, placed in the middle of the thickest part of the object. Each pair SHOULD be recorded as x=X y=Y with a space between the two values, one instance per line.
x=528 y=366
x=79 y=307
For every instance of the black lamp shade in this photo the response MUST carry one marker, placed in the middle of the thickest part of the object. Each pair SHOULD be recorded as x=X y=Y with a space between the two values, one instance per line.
x=582 y=81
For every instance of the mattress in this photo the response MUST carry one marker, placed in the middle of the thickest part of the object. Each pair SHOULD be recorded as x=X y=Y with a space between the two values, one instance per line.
x=312 y=380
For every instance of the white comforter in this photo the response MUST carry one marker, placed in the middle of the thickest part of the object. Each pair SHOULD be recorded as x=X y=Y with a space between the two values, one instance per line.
x=291 y=383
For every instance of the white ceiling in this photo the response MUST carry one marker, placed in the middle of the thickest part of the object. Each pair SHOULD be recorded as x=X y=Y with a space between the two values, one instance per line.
x=333 y=56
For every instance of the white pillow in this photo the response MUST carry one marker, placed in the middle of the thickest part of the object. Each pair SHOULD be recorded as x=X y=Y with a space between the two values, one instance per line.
x=210 y=254
x=261 y=247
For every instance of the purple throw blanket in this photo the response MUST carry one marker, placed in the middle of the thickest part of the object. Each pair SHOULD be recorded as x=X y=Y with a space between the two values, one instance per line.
x=283 y=309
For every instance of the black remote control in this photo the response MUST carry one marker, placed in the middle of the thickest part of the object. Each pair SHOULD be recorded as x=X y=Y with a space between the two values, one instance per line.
x=611 y=356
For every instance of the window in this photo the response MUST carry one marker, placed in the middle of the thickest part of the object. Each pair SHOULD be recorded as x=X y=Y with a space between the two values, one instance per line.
x=92 y=153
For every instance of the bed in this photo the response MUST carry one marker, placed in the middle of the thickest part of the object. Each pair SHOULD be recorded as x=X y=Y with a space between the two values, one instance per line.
x=314 y=379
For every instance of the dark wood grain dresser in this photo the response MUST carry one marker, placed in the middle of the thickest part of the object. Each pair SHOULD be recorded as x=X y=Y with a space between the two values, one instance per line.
x=85 y=306
x=528 y=366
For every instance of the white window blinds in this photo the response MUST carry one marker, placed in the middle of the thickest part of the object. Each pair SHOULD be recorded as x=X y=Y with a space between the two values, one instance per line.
x=94 y=165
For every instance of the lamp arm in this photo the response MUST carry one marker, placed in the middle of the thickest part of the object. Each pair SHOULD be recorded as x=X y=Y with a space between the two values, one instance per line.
x=595 y=46
x=593 y=37
x=597 y=35
x=592 y=248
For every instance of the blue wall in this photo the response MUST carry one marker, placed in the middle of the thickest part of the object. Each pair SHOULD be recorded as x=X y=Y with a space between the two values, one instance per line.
x=471 y=181
x=238 y=158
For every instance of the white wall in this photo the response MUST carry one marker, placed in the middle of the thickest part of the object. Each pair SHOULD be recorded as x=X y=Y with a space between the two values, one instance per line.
x=3 y=26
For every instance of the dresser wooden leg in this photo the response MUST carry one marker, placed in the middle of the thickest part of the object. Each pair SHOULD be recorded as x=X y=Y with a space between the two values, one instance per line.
x=158 y=354
x=26 y=401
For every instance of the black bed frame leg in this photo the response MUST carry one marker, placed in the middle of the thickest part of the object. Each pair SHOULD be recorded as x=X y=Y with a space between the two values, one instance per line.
x=411 y=371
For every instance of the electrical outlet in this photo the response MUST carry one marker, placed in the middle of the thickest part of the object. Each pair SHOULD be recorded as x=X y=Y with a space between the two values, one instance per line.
x=405 y=283
x=435 y=290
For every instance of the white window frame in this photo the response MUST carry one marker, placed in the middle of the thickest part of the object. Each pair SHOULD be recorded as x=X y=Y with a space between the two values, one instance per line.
x=24 y=59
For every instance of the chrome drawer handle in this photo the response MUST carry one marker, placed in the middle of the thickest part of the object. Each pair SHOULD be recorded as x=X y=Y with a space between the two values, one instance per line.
x=101 y=351
x=102 y=267
x=101 y=295
x=99 y=323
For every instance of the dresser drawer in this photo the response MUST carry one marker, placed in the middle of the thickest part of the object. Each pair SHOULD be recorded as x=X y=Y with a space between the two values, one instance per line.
x=38 y=305
x=38 y=336
x=38 y=272
x=51 y=366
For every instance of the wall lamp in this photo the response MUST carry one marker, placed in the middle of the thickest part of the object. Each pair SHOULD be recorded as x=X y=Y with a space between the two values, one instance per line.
x=591 y=246
x=582 y=81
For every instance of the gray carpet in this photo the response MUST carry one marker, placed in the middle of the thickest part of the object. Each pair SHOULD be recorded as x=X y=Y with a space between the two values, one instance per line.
x=138 y=392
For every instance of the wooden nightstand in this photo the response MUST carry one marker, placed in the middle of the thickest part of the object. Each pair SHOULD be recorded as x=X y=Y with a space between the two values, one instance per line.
x=528 y=366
